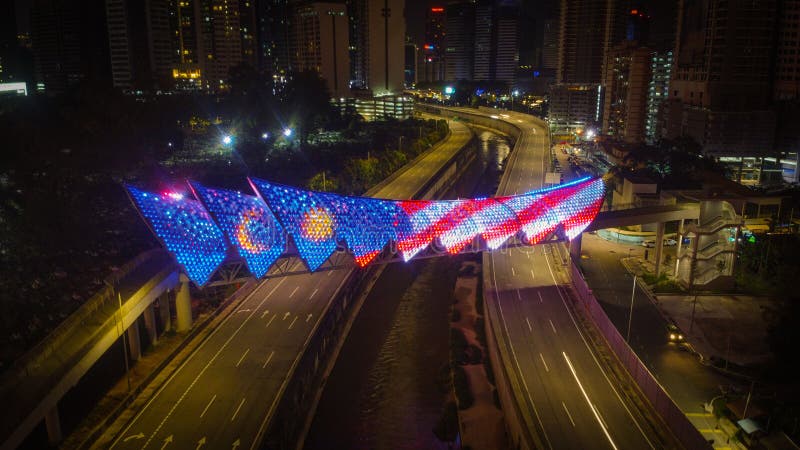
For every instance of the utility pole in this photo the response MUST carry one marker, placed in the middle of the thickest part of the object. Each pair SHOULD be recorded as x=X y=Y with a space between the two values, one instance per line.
x=630 y=314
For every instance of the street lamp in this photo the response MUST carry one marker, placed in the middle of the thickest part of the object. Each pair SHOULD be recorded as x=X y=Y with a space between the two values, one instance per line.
x=287 y=132
x=265 y=135
x=227 y=139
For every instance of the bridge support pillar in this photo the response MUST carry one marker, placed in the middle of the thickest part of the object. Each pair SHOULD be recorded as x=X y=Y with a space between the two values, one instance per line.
x=575 y=248
x=183 y=306
x=150 y=323
x=678 y=248
x=134 y=342
x=659 y=246
x=163 y=311
x=53 y=424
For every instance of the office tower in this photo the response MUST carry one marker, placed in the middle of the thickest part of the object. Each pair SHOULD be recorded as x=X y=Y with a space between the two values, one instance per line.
x=225 y=49
x=483 y=31
x=574 y=108
x=248 y=28
x=626 y=83
x=69 y=43
x=721 y=81
x=140 y=44
x=657 y=91
x=459 y=41
x=787 y=58
x=433 y=49
x=505 y=46
x=320 y=43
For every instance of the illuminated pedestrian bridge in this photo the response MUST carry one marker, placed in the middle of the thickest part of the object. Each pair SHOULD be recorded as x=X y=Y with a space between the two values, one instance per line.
x=201 y=230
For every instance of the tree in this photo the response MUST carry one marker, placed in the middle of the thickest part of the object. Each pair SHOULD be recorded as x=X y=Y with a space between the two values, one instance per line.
x=306 y=102
x=324 y=182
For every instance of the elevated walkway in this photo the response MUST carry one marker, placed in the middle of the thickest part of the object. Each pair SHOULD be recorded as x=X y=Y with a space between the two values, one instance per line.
x=36 y=382
x=644 y=214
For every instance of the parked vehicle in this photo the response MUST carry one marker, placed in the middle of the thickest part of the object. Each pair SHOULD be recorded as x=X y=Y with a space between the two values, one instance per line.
x=670 y=242
x=650 y=243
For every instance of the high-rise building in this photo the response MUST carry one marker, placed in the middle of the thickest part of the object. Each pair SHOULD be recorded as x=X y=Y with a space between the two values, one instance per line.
x=140 y=44
x=248 y=28
x=587 y=29
x=432 y=54
x=410 y=71
x=320 y=43
x=459 y=41
x=8 y=42
x=550 y=44
x=274 y=18
x=386 y=30
x=721 y=81
x=626 y=83
x=505 y=45
x=657 y=90
x=69 y=41
x=787 y=54
x=225 y=49
x=574 y=108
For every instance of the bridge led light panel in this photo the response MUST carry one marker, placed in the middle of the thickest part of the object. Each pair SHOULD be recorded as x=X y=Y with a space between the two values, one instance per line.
x=281 y=219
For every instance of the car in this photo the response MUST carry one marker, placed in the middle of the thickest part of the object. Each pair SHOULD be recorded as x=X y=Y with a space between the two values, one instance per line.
x=674 y=334
x=650 y=243
x=670 y=242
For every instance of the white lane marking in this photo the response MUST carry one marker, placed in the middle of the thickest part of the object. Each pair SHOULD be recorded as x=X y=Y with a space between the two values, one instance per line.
x=519 y=296
x=313 y=293
x=308 y=317
x=269 y=358
x=514 y=355
x=552 y=326
x=293 y=321
x=533 y=276
x=208 y=406
x=540 y=296
x=546 y=369
x=586 y=396
x=293 y=291
x=513 y=272
x=237 y=410
x=242 y=358
x=203 y=370
x=266 y=311
x=568 y=414
x=270 y=320
x=330 y=272
x=586 y=344
x=530 y=328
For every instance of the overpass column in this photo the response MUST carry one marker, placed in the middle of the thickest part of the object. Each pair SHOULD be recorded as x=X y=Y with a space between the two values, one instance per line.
x=150 y=324
x=659 y=246
x=163 y=311
x=53 y=424
x=183 y=305
x=678 y=248
x=134 y=344
x=575 y=248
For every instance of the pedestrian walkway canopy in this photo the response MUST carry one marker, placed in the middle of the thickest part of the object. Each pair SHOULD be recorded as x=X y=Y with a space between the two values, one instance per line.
x=204 y=226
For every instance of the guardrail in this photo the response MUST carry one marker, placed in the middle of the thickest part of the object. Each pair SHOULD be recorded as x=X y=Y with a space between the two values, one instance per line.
x=676 y=420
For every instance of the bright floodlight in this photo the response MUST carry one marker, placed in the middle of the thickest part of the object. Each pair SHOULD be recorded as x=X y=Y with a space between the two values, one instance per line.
x=287 y=132
x=264 y=135
x=449 y=90
x=590 y=134
x=227 y=139
x=516 y=92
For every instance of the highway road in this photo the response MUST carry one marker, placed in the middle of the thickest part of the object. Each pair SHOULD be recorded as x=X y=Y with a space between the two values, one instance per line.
x=226 y=391
x=569 y=400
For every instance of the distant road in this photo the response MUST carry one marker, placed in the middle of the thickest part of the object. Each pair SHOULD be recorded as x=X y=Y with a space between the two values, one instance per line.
x=568 y=399
x=222 y=396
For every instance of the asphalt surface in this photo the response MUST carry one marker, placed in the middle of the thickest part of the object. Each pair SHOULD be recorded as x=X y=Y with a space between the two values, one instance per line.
x=569 y=398
x=225 y=392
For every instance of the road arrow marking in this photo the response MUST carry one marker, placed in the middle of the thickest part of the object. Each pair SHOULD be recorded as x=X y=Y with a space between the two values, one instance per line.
x=200 y=443
x=266 y=311
x=236 y=444
x=308 y=317
x=135 y=436
x=243 y=310
x=167 y=441
x=286 y=315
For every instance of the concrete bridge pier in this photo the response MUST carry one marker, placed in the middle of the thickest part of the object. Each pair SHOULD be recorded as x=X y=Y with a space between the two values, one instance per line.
x=149 y=316
x=659 y=246
x=53 y=424
x=183 y=305
x=575 y=248
x=163 y=311
x=134 y=342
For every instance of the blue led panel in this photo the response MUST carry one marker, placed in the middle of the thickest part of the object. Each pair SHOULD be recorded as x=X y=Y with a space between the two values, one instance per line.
x=305 y=216
x=185 y=229
x=249 y=225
